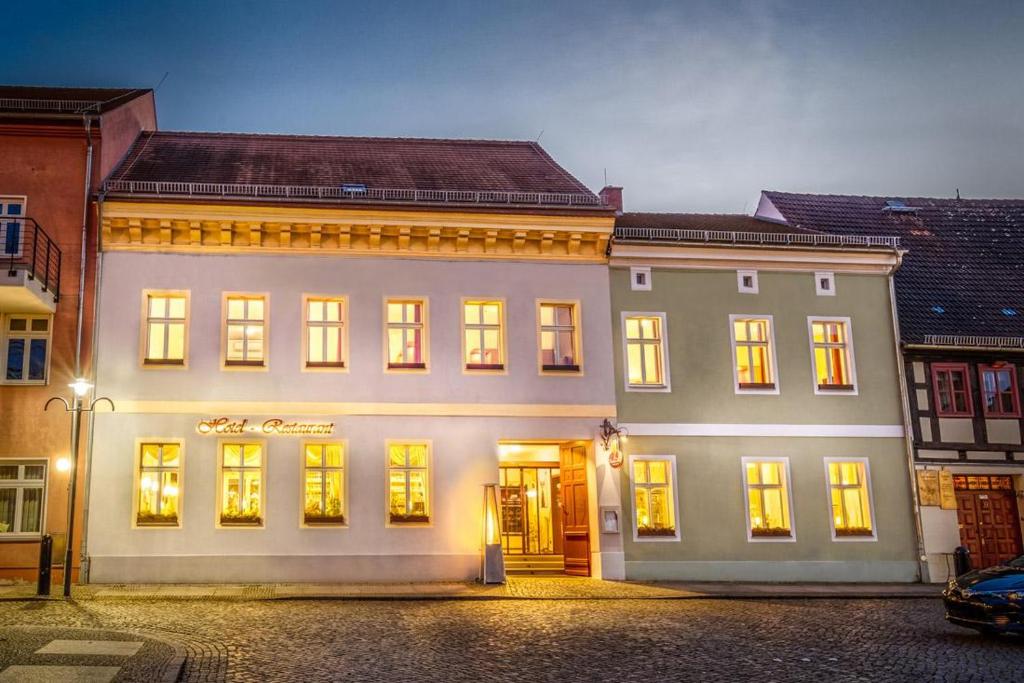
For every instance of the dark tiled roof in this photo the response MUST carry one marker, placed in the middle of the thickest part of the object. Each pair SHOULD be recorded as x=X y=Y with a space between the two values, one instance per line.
x=963 y=274
x=239 y=159
x=34 y=99
x=728 y=222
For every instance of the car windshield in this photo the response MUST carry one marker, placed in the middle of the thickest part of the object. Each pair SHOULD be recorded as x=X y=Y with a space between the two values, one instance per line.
x=1017 y=563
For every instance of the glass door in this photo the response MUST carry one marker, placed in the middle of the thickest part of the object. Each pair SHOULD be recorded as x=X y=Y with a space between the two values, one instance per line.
x=529 y=510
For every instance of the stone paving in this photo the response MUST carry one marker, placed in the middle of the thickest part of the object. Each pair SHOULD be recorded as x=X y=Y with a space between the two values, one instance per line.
x=541 y=640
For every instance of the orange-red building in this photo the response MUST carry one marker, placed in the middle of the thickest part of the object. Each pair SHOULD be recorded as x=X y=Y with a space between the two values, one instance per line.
x=56 y=147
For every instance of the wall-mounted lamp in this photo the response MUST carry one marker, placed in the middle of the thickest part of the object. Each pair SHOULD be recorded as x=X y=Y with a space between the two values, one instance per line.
x=612 y=435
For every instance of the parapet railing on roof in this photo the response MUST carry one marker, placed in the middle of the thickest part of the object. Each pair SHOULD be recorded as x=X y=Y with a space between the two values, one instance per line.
x=56 y=106
x=223 y=190
x=769 y=238
x=972 y=340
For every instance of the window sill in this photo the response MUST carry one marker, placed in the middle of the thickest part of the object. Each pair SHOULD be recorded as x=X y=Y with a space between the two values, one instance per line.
x=656 y=533
x=7 y=537
x=244 y=364
x=241 y=523
x=158 y=523
x=411 y=520
x=838 y=388
x=964 y=416
x=407 y=366
x=24 y=382
x=771 y=534
x=485 y=366
x=756 y=386
x=328 y=366
x=324 y=521
x=164 y=363
x=567 y=369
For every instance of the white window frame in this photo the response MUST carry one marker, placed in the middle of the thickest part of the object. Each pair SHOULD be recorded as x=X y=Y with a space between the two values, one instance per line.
x=742 y=288
x=673 y=484
x=479 y=328
x=826 y=276
x=871 y=501
x=6 y=218
x=180 y=443
x=263 y=366
x=666 y=386
x=423 y=325
x=634 y=276
x=28 y=335
x=772 y=357
x=387 y=482
x=19 y=485
x=577 y=336
x=788 y=484
x=303 y=524
x=343 y=327
x=220 y=481
x=151 y=364
x=811 y=319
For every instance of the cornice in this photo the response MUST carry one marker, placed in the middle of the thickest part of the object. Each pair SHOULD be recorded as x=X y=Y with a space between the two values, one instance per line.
x=840 y=260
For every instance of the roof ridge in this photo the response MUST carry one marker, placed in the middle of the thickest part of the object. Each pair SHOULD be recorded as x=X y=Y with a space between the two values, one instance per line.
x=883 y=198
x=125 y=90
x=374 y=138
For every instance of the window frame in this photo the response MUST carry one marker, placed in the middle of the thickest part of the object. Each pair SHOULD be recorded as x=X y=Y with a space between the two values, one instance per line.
x=771 y=389
x=344 y=326
x=636 y=286
x=868 y=490
x=787 y=485
x=741 y=288
x=218 y=508
x=407 y=368
x=303 y=524
x=935 y=369
x=5 y=218
x=484 y=368
x=147 y=363
x=674 y=494
x=429 y=522
x=828 y=276
x=19 y=485
x=1015 y=413
x=853 y=388
x=666 y=385
x=28 y=335
x=137 y=479
x=244 y=366
x=575 y=370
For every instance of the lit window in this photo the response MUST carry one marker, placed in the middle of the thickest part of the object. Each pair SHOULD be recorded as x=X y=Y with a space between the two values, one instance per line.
x=830 y=345
x=159 y=484
x=22 y=485
x=483 y=333
x=851 y=503
x=752 y=339
x=653 y=497
x=405 y=332
x=645 y=351
x=241 y=484
x=952 y=387
x=325 y=333
x=246 y=331
x=11 y=226
x=999 y=390
x=324 y=484
x=27 y=348
x=408 y=483
x=165 y=329
x=768 y=498
x=558 y=345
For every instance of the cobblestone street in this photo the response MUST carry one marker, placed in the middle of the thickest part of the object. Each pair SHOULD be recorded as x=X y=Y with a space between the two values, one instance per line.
x=568 y=640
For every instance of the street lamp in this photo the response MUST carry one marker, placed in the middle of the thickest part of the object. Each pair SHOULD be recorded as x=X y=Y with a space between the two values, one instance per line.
x=81 y=388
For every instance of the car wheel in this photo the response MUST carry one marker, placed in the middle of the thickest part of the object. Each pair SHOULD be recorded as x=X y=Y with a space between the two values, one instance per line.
x=988 y=632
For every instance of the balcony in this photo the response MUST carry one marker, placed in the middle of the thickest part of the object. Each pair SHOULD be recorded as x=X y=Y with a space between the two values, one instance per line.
x=29 y=267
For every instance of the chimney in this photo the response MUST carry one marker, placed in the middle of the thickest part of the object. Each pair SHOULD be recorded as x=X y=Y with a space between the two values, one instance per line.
x=612 y=196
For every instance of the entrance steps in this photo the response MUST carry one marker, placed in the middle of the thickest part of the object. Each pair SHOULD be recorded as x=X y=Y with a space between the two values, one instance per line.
x=536 y=565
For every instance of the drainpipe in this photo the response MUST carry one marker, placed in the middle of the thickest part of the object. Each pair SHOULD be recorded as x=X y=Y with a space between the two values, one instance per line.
x=908 y=430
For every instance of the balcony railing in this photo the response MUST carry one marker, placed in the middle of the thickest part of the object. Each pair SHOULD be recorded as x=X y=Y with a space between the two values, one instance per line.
x=766 y=238
x=25 y=246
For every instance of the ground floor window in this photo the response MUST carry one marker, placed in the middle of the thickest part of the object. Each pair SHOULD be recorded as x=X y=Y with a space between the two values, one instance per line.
x=241 y=484
x=768 y=498
x=408 y=483
x=653 y=497
x=22 y=487
x=850 y=496
x=324 y=484
x=159 y=484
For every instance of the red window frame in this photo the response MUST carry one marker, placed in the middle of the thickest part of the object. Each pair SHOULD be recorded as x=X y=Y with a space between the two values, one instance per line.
x=949 y=369
x=1014 y=393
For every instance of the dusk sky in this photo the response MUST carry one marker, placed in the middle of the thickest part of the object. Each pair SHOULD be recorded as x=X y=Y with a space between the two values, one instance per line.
x=692 y=106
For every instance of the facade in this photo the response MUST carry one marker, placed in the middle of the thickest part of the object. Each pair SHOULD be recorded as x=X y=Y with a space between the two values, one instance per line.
x=56 y=145
x=960 y=298
x=757 y=377
x=322 y=349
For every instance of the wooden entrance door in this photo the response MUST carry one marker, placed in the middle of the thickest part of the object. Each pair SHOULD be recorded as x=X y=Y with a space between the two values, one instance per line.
x=575 y=509
x=989 y=526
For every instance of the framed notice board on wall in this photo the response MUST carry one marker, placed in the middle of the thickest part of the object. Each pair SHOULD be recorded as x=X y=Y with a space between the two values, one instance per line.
x=928 y=488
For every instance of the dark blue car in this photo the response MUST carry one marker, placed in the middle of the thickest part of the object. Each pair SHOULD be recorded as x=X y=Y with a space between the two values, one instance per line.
x=988 y=600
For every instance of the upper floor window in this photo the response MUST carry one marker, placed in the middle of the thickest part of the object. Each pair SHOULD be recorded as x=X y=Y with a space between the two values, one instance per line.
x=12 y=209
x=26 y=348
x=159 y=484
x=484 y=335
x=245 y=330
x=754 y=353
x=768 y=498
x=999 y=390
x=952 y=386
x=165 y=333
x=325 y=332
x=408 y=483
x=645 y=351
x=558 y=337
x=405 y=329
x=22 y=485
x=850 y=496
x=832 y=354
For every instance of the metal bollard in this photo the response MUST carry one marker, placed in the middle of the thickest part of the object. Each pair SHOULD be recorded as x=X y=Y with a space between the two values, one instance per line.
x=961 y=560
x=45 y=565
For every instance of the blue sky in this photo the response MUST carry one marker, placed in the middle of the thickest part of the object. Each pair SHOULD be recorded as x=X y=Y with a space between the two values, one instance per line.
x=692 y=106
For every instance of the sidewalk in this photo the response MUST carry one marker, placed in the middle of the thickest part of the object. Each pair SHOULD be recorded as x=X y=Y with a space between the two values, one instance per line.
x=517 y=588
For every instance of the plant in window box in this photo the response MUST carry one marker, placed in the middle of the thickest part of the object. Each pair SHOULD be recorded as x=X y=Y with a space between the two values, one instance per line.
x=656 y=531
x=397 y=518
x=772 y=532
x=854 y=531
x=155 y=519
x=248 y=518
x=333 y=514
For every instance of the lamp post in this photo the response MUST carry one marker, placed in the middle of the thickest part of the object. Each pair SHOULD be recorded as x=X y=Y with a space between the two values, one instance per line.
x=80 y=388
